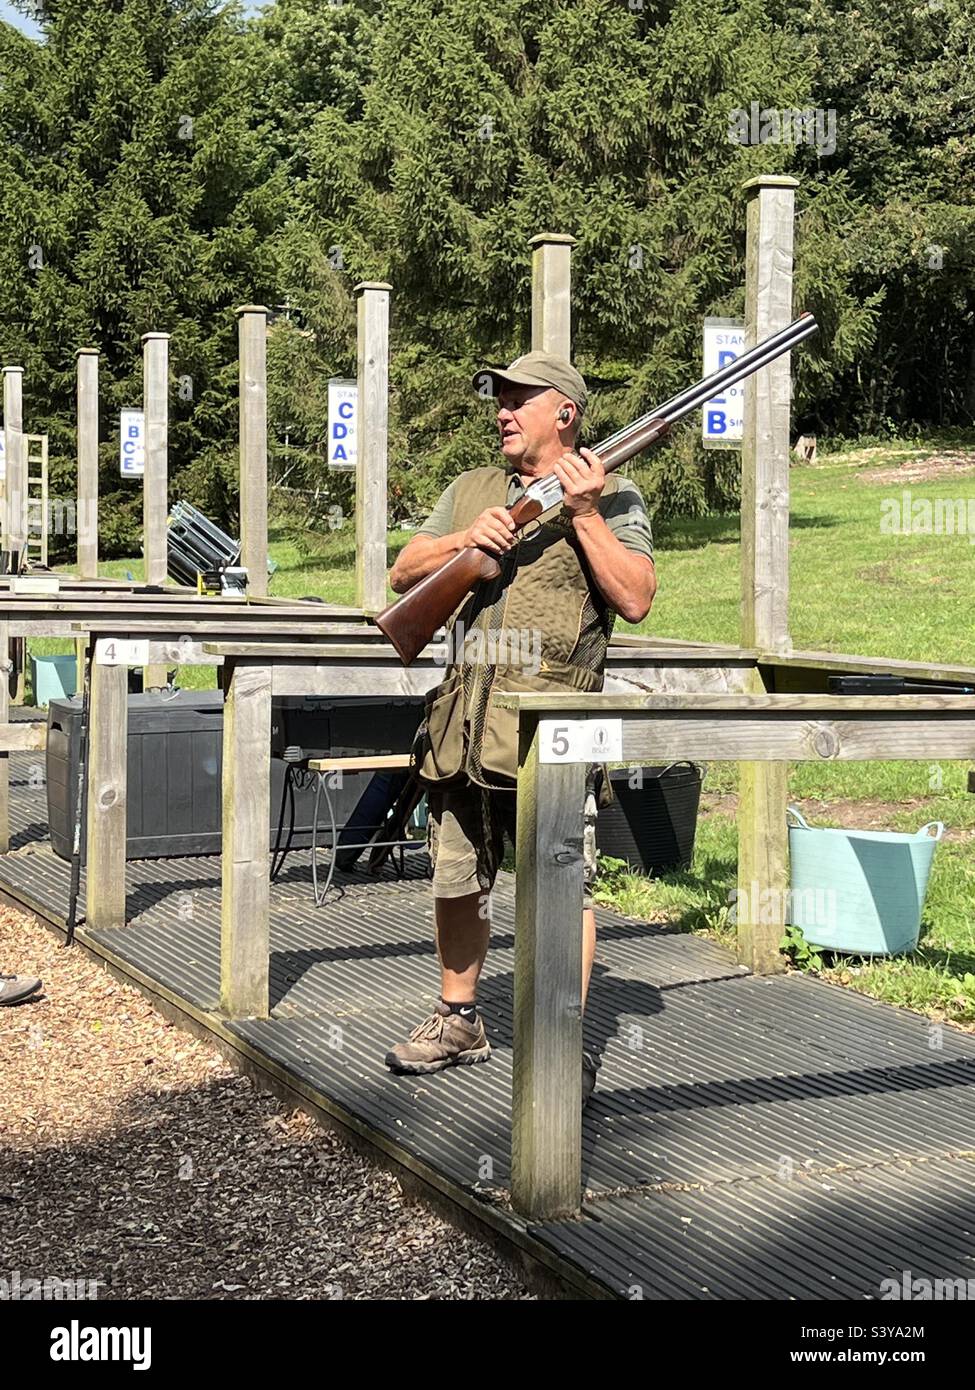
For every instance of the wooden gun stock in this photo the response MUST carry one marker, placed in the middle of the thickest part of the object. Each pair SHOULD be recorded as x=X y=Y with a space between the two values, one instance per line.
x=411 y=621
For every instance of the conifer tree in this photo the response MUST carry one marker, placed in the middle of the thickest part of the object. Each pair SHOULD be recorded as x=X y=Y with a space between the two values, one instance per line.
x=137 y=194
x=480 y=126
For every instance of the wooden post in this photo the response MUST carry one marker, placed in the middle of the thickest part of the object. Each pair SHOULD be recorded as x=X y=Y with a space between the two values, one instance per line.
x=763 y=872
x=4 y=717
x=552 y=293
x=245 y=898
x=372 y=436
x=87 y=518
x=155 y=499
x=15 y=500
x=155 y=483
x=108 y=741
x=765 y=446
x=546 y=1119
x=15 y=482
x=763 y=865
x=252 y=339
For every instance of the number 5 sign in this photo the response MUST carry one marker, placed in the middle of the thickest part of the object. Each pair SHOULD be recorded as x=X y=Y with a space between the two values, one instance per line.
x=580 y=740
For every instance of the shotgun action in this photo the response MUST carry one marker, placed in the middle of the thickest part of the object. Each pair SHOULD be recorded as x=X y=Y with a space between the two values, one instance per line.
x=412 y=620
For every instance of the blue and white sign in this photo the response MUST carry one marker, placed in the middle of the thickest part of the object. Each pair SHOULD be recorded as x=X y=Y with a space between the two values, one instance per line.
x=132 y=443
x=343 y=403
x=723 y=423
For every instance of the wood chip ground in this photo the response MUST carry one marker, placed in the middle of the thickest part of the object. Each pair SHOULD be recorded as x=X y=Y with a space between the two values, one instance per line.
x=133 y=1155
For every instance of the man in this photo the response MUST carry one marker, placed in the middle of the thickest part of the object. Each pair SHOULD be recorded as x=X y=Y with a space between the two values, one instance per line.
x=543 y=624
x=14 y=989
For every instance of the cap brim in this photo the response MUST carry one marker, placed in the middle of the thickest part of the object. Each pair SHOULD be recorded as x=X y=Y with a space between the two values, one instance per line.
x=497 y=376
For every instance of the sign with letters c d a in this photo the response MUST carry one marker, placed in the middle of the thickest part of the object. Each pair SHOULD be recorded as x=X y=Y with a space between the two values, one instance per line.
x=343 y=400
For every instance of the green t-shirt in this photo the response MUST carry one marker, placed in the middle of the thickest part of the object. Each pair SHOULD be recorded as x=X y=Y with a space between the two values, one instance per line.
x=623 y=511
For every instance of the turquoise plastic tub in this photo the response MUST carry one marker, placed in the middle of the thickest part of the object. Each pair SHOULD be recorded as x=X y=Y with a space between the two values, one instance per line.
x=860 y=891
x=53 y=677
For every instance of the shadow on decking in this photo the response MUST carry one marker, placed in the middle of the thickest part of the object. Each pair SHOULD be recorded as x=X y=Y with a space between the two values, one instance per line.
x=729 y=1107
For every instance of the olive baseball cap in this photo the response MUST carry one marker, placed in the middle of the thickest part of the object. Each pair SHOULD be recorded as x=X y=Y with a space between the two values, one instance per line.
x=535 y=369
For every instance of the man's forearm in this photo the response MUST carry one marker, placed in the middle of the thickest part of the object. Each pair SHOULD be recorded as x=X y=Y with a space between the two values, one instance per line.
x=626 y=580
x=421 y=556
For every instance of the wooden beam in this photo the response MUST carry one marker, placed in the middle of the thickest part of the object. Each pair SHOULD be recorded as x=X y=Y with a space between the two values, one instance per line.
x=773 y=728
x=108 y=728
x=23 y=737
x=775 y=739
x=689 y=703
x=252 y=339
x=841 y=663
x=4 y=716
x=174 y=606
x=245 y=897
x=233 y=625
x=370 y=654
x=654 y=675
x=680 y=647
x=87 y=518
x=372 y=435
x=552 y=293
x=353 y=678
x=546 y=1134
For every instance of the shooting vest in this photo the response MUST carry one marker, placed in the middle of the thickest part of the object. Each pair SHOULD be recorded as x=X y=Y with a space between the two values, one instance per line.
x=541 y=625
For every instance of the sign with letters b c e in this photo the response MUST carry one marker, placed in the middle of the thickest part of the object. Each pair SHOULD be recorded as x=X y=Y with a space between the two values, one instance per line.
x=132 y=443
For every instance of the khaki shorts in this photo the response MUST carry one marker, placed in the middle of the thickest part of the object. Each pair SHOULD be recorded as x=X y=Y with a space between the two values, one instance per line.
x=465 y=837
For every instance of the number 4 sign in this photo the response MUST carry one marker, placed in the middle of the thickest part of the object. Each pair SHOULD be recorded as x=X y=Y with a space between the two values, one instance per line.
x=580 y=740
x=117 y=651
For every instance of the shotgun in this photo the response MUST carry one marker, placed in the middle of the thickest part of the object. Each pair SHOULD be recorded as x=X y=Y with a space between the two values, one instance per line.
x=412 y=620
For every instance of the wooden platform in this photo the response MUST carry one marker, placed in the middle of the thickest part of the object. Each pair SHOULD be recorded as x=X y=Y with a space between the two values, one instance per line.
x=748 y=1139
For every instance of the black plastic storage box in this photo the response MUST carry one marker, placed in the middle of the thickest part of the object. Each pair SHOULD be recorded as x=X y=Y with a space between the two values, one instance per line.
x=175 y=764
x=651 y=825
x=316 y=726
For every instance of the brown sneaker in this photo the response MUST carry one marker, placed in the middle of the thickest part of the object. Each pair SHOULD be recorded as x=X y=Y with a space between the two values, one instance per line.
x=442 y=1040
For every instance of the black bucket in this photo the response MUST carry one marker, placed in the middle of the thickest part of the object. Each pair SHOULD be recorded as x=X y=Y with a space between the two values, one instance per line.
x=652 y=825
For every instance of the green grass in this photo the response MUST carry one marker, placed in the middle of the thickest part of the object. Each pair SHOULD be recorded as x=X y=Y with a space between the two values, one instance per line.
x=853 y=589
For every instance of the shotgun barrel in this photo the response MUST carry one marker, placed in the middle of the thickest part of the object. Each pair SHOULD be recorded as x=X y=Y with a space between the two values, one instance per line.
x=412 y=620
